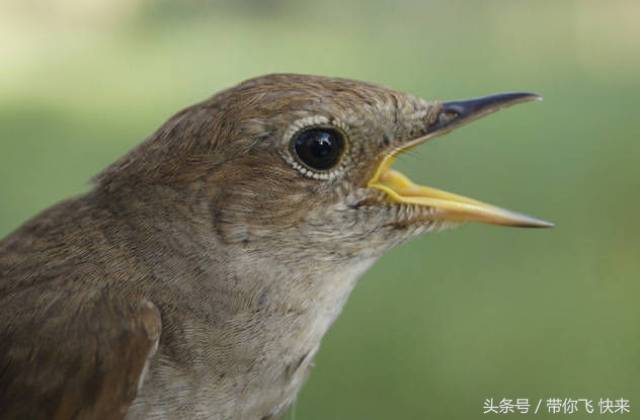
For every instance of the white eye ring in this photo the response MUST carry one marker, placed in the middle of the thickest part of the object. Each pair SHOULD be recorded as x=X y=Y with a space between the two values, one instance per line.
x=319 y=121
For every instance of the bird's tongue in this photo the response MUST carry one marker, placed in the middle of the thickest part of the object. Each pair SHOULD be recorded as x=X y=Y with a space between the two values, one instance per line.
x=445 y=205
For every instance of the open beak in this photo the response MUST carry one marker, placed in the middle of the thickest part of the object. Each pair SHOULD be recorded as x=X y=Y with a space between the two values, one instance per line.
x=447 y=206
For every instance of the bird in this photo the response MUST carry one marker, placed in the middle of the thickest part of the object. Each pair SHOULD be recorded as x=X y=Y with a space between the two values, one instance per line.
x=198 y=275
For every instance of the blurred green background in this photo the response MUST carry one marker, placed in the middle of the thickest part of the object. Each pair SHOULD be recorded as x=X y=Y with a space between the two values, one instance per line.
x=450 y=319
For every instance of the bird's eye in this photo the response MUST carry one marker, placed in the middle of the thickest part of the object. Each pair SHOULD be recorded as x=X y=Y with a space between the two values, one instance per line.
x=319 y=148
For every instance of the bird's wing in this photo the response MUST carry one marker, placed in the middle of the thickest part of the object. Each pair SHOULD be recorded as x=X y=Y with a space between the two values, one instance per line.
x=86 y=364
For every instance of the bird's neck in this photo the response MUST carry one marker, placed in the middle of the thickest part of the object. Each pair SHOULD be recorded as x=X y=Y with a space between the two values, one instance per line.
x=233 y=316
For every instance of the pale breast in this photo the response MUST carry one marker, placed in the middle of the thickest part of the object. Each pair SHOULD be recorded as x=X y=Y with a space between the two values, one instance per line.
x=248 y=366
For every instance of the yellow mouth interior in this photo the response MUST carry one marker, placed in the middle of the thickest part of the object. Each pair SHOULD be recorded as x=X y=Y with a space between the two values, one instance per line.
x=445 y=206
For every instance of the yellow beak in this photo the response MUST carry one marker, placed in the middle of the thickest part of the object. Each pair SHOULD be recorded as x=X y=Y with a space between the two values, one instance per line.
x=447 y=206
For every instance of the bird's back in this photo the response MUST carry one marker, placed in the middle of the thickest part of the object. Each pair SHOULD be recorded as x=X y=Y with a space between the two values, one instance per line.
x=65 y=323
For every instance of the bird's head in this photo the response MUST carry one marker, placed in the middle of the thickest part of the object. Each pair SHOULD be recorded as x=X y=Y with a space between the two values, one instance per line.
x=302 y=164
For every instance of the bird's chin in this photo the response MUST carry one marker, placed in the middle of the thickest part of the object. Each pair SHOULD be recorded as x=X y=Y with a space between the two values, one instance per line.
x=399 y=221
x=413 y=220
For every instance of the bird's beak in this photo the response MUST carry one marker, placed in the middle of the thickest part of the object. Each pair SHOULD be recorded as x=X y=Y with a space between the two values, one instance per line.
x=447 y=206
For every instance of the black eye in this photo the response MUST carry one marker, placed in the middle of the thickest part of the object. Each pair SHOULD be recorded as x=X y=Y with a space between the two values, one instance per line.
x=319 y=148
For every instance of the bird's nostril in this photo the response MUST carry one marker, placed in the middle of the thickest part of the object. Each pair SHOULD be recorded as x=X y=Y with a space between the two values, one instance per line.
x=446 y=117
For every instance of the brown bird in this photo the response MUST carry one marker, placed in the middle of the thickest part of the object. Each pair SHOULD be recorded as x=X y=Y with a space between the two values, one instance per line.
x=198 y=276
